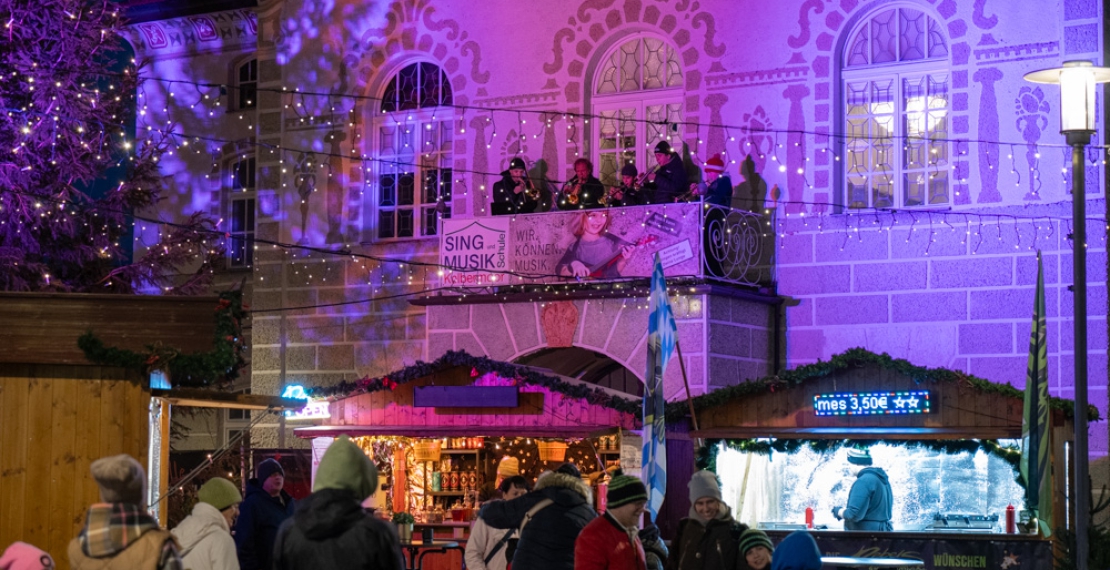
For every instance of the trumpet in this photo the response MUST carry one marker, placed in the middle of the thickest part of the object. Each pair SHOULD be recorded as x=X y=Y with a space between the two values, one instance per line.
x=608 y=195
x=570 y=191
x=530 y=190
x=697 y=190
x=644 y=175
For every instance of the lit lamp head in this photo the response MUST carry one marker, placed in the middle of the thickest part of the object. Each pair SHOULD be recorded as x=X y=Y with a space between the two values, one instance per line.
x=1077 y=81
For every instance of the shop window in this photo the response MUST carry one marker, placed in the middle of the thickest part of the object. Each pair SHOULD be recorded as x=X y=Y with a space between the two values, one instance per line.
x=413 y=138
x=895 y=91
x=638 y=95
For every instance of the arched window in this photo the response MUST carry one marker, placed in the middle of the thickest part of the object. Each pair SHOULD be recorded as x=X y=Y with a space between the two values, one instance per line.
x=637 y=91
x=413 y=140
x=895 y=83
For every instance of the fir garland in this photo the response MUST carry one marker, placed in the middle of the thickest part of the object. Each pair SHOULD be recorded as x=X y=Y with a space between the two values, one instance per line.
x=220 y=365
x=855 y=358
x=478 y=365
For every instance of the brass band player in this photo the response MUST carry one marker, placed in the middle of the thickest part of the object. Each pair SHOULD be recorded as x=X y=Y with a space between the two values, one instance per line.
x=515 y=190
x=629 y=193
x=583 y=191
x=668 y=181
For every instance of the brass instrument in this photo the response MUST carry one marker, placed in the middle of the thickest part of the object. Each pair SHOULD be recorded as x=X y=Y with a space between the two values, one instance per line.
x=530 y=190
x=571 y=195
x=697 y=190
x=642 y=177
x=607 y=196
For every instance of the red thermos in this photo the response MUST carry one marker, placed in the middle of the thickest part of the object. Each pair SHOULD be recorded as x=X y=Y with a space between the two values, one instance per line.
x=1011 y=522
x=809 y=517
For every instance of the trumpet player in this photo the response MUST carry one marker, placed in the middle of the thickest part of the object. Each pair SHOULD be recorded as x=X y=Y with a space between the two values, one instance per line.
x=668 y=181
x=583 y=191
x=515 y=190
x=629 y=193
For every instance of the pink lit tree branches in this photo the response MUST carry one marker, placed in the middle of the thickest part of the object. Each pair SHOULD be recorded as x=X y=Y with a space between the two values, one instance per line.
x=71 y=175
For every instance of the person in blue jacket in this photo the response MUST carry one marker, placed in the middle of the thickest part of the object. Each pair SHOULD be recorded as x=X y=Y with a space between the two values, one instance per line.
x=870 y=500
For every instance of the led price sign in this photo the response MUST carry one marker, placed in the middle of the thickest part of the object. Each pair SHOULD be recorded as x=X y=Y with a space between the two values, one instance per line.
x=872 y=403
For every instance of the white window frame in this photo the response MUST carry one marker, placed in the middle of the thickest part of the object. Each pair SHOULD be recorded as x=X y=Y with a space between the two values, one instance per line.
x=426 y=214
x=893 y=171
x=240 y=86
x=639 y=101
x=245 y=194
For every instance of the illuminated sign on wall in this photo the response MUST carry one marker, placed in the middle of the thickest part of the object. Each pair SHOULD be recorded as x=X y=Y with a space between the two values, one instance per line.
x=872 y=403
x=312 y=410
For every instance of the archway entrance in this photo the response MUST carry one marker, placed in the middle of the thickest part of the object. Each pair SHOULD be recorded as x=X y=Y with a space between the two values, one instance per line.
x=586 y=365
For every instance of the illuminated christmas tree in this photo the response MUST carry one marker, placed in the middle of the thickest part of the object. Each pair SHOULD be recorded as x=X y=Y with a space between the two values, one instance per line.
x=72 y=175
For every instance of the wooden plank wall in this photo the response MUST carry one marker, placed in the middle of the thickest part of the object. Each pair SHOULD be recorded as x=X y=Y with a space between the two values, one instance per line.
x=55 y=420
x=43 y=327
x=955 y=406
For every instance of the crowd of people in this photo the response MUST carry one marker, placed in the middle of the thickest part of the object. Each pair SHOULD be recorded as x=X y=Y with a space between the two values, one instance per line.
x=553 y=526
x=665 y=183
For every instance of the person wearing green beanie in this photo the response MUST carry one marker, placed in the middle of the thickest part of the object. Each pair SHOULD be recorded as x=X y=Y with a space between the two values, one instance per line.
x=611 y=541
x=330 y=529
x=756 y=550
x=205 y=535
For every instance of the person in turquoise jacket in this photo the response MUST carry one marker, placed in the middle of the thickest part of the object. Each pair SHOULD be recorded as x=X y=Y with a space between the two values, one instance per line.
x=870 y=500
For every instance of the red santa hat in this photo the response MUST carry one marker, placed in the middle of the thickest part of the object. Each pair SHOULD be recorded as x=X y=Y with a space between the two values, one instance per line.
x=715 y=164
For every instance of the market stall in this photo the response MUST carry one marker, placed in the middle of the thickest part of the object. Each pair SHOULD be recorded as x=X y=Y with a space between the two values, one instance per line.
x=949 y=442
x=444 y=433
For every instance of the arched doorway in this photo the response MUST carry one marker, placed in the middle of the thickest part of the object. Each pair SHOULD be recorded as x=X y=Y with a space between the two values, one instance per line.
x=587 y=366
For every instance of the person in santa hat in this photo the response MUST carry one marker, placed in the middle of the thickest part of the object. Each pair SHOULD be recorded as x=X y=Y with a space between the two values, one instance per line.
x=718 y=186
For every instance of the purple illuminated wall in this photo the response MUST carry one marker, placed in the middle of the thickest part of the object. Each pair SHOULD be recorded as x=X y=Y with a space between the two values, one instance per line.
x=950 y=285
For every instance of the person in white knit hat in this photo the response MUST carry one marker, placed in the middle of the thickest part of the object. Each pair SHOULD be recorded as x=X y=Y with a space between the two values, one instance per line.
x=708 y=538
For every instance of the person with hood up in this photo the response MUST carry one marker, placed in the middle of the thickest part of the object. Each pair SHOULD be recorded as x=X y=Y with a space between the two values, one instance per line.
x=612 y=541
x=119 y=534
x=707 y=539
x=870 y=501
x=330 y=529
x=798 y=551
x=756 y=550
x=205 y=535
x=265 y=507
x=563 y=506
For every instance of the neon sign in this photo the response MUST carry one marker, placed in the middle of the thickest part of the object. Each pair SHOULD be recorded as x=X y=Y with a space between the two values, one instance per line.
x=312 y=410
x=873 y=403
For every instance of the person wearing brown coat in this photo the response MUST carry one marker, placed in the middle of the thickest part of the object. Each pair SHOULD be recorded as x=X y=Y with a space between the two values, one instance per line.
x=708 y=538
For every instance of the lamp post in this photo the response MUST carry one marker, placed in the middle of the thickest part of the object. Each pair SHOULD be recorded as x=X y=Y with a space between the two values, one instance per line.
x=1077 y=81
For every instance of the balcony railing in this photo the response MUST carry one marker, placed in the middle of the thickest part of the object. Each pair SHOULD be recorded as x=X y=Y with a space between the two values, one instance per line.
x=693 y=241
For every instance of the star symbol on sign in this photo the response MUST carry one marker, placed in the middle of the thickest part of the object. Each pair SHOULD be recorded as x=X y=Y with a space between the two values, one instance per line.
x=913 y=401
x=899 y=402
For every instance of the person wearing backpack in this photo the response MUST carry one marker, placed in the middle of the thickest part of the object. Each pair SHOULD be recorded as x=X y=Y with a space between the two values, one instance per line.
x=549 y=519
x=486 y=547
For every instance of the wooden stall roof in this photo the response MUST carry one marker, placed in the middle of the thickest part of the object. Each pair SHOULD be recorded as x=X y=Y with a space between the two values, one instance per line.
x=42 y=328
x=207 y=398
x=959 y=411
x=541 y=413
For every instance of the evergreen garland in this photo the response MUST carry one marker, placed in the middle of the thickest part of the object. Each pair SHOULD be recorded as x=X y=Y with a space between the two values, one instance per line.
x=855 y=358
x=219 y=366
x=478 y=365
x=1009 y=454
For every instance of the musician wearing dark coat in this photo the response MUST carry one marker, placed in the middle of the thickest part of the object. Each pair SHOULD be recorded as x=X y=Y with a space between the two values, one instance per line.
x=516 y=189
x=668 y=182
x=583 y=191
x=629 y=193
x=596 y=252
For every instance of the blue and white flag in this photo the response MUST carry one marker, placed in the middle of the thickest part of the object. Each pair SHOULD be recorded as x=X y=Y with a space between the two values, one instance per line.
x=662 y=334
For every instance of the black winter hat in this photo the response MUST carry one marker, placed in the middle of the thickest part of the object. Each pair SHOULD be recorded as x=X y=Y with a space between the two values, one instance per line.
x=569 y=469
x=517 y=162
x=663 y=147
x=629 y=170
x=267 y=468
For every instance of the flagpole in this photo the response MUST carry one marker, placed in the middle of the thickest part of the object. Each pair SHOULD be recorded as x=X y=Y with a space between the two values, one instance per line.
x=689 y=401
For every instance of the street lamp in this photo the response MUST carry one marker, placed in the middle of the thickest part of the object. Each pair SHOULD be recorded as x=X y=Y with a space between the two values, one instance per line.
x=1077 y=81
